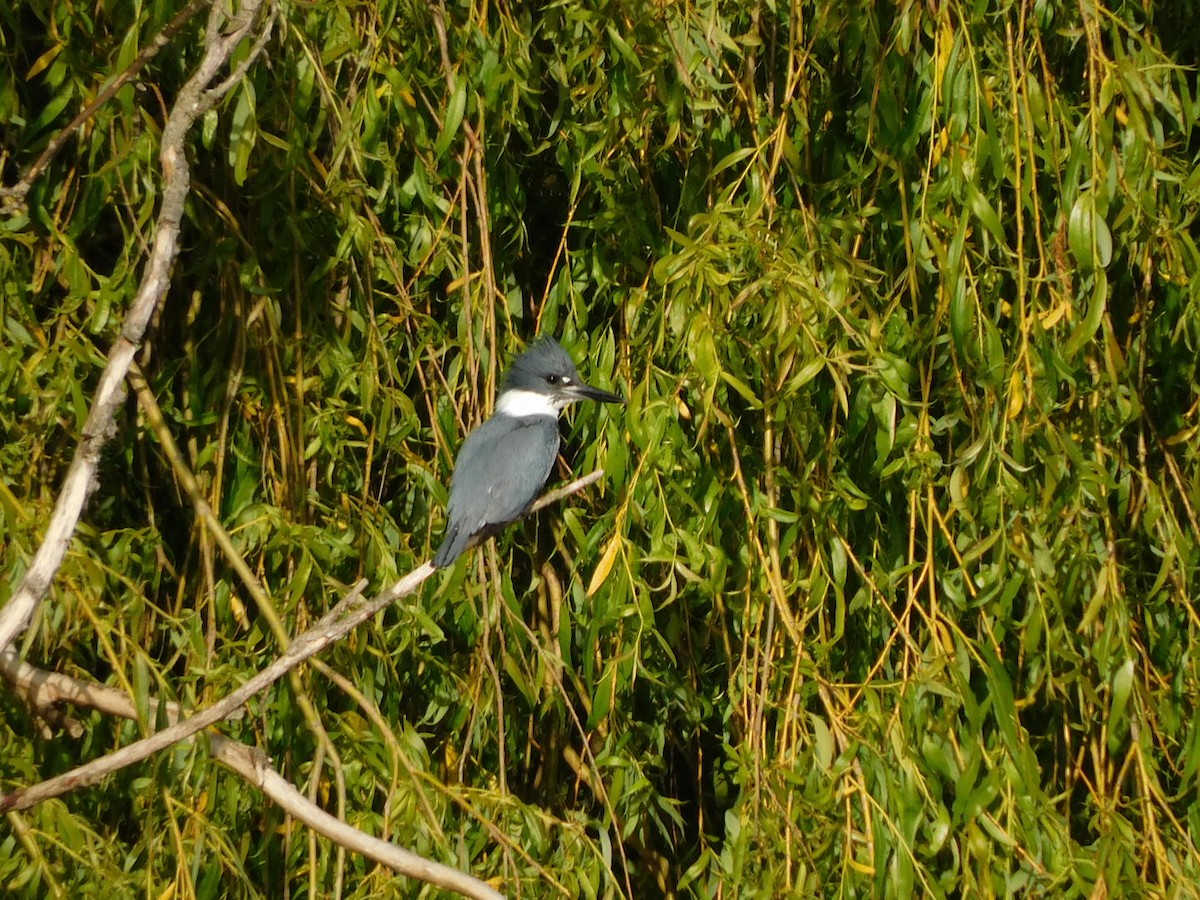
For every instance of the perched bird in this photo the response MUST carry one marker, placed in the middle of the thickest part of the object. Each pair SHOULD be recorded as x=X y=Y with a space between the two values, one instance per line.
x=505 y=461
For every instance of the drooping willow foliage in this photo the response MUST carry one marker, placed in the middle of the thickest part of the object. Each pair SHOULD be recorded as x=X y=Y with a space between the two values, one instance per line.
x=890 y=587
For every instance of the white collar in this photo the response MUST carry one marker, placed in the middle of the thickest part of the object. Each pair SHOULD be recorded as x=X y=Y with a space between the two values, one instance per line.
x=523 y=404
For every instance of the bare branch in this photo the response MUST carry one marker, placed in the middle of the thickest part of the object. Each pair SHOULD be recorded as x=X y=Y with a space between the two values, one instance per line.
x=14 y=197
x=350 y=612
x=312 y=641
x=44 y=689
x=552 y=496
x=566 y=490
x=254 y=766
x=193 y=101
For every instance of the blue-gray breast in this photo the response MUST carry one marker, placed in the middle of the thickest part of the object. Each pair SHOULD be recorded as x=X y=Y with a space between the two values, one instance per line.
x=505 y=461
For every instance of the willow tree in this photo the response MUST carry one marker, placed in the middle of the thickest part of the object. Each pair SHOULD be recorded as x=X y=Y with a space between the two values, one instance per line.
x=888 y=585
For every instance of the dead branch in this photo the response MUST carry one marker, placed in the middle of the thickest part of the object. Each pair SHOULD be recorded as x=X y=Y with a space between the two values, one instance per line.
x=14 y=197
x=222 y=36
x=44 y=690
x=349 y=612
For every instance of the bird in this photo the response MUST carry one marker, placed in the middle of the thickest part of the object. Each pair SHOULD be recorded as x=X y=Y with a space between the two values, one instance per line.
x=505 y=461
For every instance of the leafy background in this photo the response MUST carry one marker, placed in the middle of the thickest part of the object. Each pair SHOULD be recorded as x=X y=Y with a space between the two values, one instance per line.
x=890 y=587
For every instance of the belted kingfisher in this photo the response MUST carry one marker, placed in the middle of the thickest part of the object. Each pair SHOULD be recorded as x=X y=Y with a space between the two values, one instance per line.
x=505 y=461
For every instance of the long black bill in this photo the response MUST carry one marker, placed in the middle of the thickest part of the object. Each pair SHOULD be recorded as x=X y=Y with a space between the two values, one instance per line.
x=587 y=392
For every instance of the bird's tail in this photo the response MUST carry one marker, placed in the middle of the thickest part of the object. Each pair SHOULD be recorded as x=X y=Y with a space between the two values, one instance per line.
x=453 y=544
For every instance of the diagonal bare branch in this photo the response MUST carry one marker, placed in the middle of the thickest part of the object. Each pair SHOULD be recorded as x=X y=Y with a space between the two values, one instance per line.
x=222 y=36
x=348 y=614
x=43 y=690
x=12 y=199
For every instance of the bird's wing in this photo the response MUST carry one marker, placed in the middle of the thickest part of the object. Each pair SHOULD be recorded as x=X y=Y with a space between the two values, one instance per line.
x=500 y=469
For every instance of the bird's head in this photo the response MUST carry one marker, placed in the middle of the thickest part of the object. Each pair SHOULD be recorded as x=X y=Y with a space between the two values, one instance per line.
x=543 y=380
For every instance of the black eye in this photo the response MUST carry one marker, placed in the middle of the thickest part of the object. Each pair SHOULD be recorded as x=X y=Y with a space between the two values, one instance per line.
x=552 y=379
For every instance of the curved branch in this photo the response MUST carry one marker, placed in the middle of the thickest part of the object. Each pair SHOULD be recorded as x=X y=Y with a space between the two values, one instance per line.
x=350 y=612
x=14 y=197
x=564 y=491
x=221 y=38
x=254 y=766
x=43 y=690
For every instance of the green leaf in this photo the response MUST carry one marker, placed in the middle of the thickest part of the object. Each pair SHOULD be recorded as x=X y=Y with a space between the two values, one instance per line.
x=986 y=214
x=1090 y=324
x=1122 y=687
x=242 y=134
x=453 y=119
x=1088 y=234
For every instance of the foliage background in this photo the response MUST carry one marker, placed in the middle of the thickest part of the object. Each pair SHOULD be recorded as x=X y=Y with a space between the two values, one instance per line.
x=891 y=587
